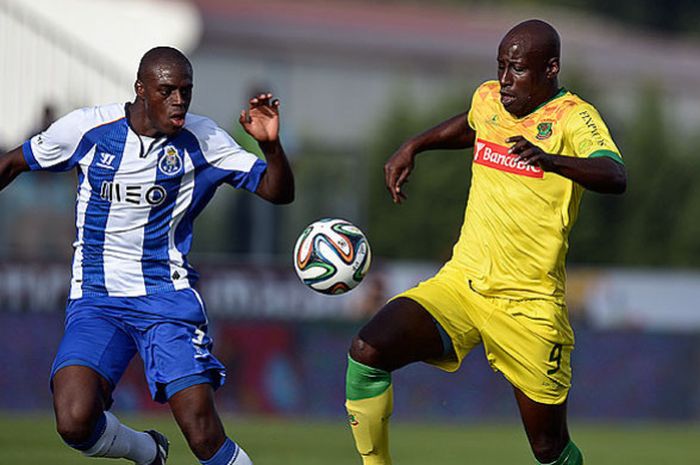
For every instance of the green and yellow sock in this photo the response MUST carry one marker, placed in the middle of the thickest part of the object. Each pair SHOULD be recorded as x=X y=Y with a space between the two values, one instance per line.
x=369 y=404
x=571 y=455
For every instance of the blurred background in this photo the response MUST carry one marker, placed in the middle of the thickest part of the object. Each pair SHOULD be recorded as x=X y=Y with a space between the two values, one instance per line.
x=356 y=78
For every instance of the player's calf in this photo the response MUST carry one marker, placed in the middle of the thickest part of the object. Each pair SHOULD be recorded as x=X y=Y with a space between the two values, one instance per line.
x=195 y=412
x=571 y=455
x=369 y=405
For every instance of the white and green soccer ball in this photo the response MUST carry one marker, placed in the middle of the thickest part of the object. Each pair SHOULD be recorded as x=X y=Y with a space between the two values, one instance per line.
x=332 y=256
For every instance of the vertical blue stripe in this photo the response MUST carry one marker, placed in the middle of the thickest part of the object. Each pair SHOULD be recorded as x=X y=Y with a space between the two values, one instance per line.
x=206 y=179
x=155 y=263
x=111 y=139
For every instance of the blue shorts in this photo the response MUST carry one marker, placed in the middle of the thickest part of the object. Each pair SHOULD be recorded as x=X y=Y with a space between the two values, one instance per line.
x=168 y=330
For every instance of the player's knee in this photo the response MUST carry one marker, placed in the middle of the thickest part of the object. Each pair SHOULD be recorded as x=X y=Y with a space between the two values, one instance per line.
x=364 y=353
x=74 y=423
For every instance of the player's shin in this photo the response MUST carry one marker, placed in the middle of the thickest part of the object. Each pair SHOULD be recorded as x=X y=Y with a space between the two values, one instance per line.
x=369 y=405
x=119 y=441
x=571 y=455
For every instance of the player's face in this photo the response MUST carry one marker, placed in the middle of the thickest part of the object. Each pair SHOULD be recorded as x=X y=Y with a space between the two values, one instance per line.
x=522 y=74
x=167 y=93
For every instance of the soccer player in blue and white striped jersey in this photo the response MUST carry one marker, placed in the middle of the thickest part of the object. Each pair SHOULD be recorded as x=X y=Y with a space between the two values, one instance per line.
x=145 y=170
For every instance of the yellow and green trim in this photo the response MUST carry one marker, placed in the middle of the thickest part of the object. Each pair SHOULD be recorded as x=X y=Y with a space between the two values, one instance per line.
x=560 y=92
x=364 y=382
x=607 y=153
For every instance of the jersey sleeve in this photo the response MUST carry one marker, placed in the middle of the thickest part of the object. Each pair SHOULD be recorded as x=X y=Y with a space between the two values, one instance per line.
x=471 y=114
x=232 y=163
x=588 y=135
x=53 y=149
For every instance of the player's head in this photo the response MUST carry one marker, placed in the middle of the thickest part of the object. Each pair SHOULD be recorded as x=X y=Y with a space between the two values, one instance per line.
x=528 y=66
x=164 y=86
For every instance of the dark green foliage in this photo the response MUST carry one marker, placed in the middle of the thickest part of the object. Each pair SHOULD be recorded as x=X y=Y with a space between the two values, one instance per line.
x=656 y=223
x=670 y=16
x=427 y=224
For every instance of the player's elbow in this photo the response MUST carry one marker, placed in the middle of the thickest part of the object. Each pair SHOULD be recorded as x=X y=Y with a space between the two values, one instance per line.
x=618 y=182
x=282 y=195
x=283 y=199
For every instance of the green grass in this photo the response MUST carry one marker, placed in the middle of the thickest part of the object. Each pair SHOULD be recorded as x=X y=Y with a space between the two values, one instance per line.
x=31 y=440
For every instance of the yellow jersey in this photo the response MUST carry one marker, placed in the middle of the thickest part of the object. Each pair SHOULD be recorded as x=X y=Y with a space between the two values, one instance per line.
x=514 y=239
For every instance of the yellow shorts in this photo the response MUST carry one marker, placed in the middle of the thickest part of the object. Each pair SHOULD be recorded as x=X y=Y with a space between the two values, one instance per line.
x=529 y=341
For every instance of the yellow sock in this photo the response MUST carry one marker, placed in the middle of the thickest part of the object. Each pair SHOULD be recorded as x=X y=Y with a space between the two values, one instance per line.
x=369 y=404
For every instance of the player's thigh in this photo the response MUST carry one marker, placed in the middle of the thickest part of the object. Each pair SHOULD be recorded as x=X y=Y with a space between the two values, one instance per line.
x=431 y=322
x=530 y=342
x=80 y=394
x=401 y=332
x=98 y=343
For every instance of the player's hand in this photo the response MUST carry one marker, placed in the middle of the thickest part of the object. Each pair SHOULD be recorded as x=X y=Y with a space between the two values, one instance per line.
x=261 y=119
x=396 y=171
x=530 y=153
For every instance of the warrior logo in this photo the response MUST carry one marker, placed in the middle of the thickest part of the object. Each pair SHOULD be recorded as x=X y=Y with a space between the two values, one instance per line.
x=170 y=162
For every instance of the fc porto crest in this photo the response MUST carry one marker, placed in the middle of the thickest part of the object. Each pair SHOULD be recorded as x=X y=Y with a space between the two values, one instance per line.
x=544 y=130
x=170 y=162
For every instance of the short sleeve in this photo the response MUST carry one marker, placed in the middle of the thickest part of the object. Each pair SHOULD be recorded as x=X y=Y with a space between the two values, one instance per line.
x=234 y=165
x=588 y=135
x=53 y=149
x=470 y=114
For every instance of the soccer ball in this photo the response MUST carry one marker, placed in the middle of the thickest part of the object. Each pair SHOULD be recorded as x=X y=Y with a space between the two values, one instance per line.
x=332 y=256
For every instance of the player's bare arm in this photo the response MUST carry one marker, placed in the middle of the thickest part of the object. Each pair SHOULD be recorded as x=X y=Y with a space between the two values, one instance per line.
x=453 y=133
x=11 y=165
x=261 y=120
x=603 y=174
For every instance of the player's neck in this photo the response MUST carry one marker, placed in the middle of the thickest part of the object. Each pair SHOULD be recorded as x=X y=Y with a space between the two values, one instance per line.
x=138 y=120
x=551 y=92
x=545 y=97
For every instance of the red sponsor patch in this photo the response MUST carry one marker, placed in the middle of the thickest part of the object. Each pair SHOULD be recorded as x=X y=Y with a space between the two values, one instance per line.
x=496 y=156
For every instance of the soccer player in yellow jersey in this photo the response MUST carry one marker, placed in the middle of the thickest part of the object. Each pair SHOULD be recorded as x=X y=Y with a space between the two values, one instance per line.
x=536 y=147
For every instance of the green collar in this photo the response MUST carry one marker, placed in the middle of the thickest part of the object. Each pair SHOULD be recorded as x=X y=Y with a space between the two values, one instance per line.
x=562 y=91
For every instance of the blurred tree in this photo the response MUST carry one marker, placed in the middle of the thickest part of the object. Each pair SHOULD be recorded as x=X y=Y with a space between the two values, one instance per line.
x=685 y=235
x=657 y=222
x=427 y=225
x=678 y=17
x=330 y=183
x=659 y=181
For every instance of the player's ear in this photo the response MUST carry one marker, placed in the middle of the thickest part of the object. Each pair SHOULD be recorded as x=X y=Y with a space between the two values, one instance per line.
x=138 y=88
x=552 y=67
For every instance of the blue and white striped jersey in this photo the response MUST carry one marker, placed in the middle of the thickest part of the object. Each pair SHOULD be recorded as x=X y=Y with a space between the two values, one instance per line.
x=138 y=196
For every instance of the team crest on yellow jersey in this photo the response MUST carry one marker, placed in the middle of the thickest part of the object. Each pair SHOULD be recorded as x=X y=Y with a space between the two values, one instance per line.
x=170 y=162
x=544 y=130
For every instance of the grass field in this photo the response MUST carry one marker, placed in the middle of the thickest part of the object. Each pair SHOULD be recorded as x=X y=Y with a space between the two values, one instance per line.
x=31 y=440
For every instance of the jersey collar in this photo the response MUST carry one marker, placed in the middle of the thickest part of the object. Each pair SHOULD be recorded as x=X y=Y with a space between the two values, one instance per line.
x=560 y=92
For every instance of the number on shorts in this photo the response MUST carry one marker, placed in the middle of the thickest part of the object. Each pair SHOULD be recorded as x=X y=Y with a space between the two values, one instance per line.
x=555 y=356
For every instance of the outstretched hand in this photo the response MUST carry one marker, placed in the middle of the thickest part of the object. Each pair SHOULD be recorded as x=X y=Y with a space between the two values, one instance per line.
x=396 y=171
x=530 y=153
x=261 y=119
